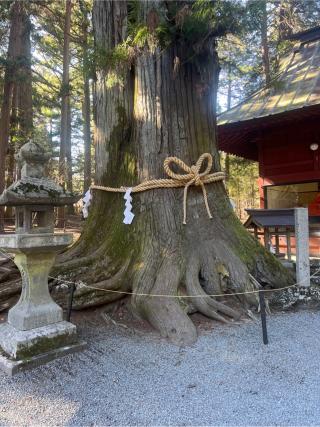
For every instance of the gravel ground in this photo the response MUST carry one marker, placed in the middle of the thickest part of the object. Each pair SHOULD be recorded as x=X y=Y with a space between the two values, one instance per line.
x=125 y=378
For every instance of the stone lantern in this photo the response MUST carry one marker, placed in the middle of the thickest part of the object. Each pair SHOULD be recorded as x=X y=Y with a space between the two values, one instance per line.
x=35 y=331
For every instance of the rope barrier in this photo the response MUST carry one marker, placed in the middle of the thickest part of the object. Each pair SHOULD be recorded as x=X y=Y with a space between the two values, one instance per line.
x=190 y=296
x=193 y=176
x=174 y=296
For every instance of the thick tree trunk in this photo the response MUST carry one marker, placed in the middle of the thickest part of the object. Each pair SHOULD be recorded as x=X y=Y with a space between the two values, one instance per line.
x=87 y=134
x=158 y=110
x=229 y=99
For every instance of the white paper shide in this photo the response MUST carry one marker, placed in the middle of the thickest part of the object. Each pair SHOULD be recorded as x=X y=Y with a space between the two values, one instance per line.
x=128 y=215
x=86 y=203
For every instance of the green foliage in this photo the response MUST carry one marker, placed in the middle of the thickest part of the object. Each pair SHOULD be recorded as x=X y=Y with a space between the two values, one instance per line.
x=141 y=36
x=219 y=17
x=114 y=79
x=191 y=23
x=114 y=58
x=133 y=7
x=242 y=182
x=195 y=22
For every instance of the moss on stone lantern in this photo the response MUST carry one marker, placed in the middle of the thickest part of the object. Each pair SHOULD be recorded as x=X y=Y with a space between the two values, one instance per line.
x=35 y=331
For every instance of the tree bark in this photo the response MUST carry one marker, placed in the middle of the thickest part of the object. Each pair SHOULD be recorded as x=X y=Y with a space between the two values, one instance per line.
x=65 y=160
x=86 y=101
x=264 y=43
x=87 y=134
x=17 y=33
x=24 y=83
x=11 y=164
x=229 y=99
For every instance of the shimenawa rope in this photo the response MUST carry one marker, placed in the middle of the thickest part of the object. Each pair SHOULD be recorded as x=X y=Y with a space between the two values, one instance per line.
x=193 y=176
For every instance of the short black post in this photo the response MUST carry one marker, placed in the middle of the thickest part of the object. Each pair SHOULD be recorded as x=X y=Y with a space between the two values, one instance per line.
x=70 y=300
x=263 y=316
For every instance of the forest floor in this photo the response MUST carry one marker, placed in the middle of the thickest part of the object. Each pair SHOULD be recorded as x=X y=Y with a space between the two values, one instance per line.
x=129 y=376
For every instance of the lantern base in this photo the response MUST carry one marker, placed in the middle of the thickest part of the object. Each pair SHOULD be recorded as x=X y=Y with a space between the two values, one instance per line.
x=21 y=350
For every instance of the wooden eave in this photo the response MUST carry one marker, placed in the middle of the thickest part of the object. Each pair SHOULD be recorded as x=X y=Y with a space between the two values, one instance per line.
x=293 y=95
x=241 y=138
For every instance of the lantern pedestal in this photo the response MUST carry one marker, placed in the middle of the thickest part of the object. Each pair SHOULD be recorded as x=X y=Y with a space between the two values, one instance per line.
x=37 y=346
x=35 y=332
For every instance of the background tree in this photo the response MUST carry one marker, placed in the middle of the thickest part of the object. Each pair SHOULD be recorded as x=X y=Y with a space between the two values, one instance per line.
x=65 y=158
x=86 y=103
x=17 y=91
x=48 y=76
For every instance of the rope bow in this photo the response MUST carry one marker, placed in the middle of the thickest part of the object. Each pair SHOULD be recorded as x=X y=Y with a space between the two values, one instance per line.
x=193 y=176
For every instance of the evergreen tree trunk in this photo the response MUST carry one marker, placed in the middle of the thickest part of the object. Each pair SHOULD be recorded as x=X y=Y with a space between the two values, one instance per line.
x=13 y=137
x=264 y=43
x=86 y=102
x=159 y=110
x=17 y=21
x=11 y=164
x=65 y=166
x=24 y=82
x=229 y=99
x=87 y=134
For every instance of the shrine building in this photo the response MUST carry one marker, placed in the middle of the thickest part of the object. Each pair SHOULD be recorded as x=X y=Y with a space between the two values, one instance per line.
x=279 y=127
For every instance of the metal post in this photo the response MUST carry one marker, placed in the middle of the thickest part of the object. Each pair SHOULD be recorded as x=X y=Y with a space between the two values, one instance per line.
x=263 y=316
x=70 y=301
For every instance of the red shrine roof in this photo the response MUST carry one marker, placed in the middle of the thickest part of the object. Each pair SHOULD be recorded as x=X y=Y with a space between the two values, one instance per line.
x=295 y=92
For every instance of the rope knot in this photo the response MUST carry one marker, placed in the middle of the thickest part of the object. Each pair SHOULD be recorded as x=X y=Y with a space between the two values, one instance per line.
x=193 y=176
x=197 y=177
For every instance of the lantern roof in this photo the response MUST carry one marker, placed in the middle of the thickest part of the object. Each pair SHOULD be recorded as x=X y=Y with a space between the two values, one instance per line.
x=34 y=188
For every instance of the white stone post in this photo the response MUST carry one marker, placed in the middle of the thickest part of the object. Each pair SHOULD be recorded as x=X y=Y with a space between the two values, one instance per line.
x=301 y=222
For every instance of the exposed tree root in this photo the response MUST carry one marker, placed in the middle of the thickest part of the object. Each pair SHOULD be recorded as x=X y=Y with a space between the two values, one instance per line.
x=166 y=314
x=90 y=293
x=68 y=261
x=167 y=317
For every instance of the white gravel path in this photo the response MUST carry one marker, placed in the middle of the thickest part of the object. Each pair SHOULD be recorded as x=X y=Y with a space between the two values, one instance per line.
x=227 y=378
